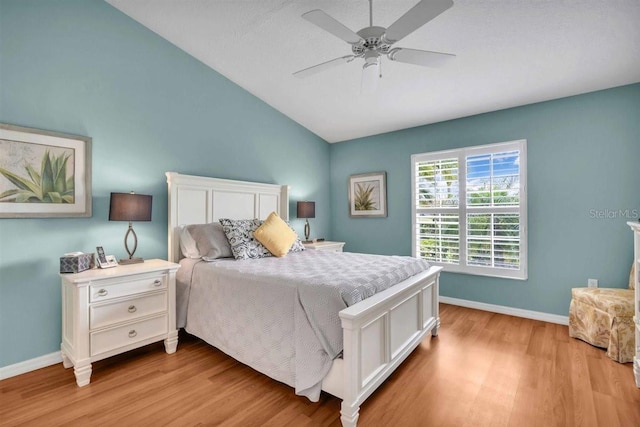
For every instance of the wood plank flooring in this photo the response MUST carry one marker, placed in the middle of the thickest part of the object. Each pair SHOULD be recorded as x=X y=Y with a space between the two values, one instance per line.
x=484 y=369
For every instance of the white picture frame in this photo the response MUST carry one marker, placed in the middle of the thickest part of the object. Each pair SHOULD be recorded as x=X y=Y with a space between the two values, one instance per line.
x=368 y=195
x=32 y=165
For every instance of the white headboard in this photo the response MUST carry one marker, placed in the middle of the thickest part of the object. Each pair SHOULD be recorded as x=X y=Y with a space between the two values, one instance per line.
x=200 y=200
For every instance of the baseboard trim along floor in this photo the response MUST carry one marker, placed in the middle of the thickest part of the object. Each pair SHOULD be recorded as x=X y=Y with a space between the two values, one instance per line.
x=30 y=365
x=501 y=309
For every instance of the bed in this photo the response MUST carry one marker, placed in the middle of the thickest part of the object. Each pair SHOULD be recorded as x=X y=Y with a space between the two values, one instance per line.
x=376 y=334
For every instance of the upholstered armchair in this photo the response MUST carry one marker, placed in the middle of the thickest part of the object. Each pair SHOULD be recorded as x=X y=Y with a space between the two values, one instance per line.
x=603 y=317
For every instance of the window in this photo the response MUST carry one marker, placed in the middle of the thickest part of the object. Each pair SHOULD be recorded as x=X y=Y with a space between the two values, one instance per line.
x=470 y=209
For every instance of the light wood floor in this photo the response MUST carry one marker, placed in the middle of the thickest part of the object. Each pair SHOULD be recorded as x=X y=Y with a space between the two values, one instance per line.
x=484 y=369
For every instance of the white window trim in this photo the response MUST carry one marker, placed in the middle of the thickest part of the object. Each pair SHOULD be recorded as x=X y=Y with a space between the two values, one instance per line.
x=461 y=154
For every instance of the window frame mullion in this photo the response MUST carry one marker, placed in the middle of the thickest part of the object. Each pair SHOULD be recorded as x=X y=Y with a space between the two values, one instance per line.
x=462 y=209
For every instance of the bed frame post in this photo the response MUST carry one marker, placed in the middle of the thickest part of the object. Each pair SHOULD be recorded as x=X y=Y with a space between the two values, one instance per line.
x=436 y=306
x=173 y=250
x=284 y=202
x=350 y=407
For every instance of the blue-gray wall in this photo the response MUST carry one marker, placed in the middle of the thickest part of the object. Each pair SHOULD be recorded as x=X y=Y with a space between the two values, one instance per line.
x=583 y=162
x=83 y=67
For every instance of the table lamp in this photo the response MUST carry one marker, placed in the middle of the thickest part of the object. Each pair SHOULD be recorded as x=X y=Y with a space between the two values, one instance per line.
x=130 y=207
x=306 y=210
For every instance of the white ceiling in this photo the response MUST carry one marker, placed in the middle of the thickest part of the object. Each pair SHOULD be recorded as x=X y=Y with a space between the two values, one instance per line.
x=509 y=53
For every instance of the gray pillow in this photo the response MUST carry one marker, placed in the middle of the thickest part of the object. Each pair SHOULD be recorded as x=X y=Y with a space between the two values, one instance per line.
x=206 y=241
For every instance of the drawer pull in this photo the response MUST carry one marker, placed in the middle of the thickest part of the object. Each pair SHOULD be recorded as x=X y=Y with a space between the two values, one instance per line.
x=102 y=292
x=132 y=309
x=157 y=283
x=132 y=333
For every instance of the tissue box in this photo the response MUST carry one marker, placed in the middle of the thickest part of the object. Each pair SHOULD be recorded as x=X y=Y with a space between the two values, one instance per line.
x=76 y=263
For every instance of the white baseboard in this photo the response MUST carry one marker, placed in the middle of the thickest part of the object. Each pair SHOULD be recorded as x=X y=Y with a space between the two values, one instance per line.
x=30 y=365
x=518 y=312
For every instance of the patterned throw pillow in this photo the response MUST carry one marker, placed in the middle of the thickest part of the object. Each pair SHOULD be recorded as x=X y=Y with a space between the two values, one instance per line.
x=239 y=232
x=297 y=245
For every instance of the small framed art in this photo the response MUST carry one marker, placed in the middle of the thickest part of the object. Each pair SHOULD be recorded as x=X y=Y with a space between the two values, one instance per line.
x=368 y=195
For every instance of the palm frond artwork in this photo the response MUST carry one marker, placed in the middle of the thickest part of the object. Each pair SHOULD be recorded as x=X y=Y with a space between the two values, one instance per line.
x=363 y=199
x=368 y=195
x=50 y=185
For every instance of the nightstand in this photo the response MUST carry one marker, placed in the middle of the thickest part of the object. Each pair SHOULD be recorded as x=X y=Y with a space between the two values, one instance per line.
x=109 y=311
x=325 y=246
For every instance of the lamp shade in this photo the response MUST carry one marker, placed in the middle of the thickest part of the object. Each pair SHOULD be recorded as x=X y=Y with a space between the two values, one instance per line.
x=306 y=209
x=130 y=207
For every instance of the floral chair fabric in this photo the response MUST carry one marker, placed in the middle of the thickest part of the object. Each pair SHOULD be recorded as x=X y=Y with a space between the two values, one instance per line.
x=603 y=317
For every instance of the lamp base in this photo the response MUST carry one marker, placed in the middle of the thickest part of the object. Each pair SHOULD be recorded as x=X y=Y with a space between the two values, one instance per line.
x=130 y=261
x=307 y=230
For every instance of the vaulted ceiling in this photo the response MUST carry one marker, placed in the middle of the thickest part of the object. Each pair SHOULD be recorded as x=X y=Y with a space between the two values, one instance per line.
x=508 y=53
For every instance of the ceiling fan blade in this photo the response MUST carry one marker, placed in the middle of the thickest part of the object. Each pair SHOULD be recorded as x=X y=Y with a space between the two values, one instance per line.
x=415 y=18
x=329 y=24
x=324 y=66
x=424 y=58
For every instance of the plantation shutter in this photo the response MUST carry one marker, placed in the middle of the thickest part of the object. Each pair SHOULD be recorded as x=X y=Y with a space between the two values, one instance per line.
x=469 y=209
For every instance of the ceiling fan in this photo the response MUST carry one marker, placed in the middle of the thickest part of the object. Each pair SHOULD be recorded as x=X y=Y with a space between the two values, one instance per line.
x=372 y=42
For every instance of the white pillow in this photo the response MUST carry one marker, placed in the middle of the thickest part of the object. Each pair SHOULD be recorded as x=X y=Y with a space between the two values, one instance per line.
x=187 y=244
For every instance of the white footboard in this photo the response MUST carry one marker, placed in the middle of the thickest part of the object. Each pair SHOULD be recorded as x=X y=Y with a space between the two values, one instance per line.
x=379 y=333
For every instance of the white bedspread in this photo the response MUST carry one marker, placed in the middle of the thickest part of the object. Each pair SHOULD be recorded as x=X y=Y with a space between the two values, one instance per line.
x=280 y=315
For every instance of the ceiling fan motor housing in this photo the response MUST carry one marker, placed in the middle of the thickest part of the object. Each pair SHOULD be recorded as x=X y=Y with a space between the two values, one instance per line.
x=372 y=37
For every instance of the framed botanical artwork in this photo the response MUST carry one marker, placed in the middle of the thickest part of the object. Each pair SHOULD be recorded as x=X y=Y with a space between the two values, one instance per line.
x=44 y=174
x=368 y=195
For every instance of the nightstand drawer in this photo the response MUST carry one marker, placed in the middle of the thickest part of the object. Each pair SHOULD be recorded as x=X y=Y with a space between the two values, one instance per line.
x=112 y=339
x=102 y=291
x=110 y=314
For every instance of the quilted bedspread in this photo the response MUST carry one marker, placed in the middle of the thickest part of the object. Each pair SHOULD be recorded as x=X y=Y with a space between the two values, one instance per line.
x=280 y=315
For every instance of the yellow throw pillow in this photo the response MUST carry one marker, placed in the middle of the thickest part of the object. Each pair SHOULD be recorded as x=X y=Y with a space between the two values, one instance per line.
x=275 y=235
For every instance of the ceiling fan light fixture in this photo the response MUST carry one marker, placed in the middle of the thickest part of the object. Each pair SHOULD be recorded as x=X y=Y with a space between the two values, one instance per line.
x=370 y=75
x=371 y=57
